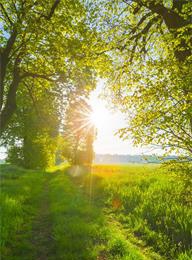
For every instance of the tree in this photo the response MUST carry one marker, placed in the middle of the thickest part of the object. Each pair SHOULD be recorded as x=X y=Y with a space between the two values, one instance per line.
x=31 y=136
x=47 y=51
x=78 y=132
x=151 y=48
x=45 y=40
x=20 y=47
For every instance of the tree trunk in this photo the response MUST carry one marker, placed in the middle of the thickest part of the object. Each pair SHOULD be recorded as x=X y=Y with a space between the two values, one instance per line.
x=10 y=105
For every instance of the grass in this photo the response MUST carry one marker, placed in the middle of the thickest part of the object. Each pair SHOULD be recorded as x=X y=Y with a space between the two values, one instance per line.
x=149 y=203
x=20 y=195
x=132 y=212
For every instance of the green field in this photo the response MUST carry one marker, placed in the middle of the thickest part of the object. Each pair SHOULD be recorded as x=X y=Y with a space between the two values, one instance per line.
x=127 y=212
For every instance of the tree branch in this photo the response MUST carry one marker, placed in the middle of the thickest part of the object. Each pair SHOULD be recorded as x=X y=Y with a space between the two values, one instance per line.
x=173 y=21
x=137 y=36
x=171 y=18
x=6 y=14
x=36 y=75
x=54 y=6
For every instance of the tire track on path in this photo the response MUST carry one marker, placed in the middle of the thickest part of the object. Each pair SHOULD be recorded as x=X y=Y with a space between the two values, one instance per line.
x=42 y=239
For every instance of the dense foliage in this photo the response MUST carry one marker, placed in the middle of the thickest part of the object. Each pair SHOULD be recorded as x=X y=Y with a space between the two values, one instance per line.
x=46 y=40
x=31 y=136
x=150 y=44
x=47 y=51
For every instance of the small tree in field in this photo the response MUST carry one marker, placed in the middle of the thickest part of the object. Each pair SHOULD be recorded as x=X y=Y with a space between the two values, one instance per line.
x=79 y=133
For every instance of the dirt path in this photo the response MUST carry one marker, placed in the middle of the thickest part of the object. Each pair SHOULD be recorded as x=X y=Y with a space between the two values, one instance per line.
x=42 y=229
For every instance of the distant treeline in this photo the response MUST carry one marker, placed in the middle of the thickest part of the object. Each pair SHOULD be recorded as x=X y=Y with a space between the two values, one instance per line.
x=117 y=158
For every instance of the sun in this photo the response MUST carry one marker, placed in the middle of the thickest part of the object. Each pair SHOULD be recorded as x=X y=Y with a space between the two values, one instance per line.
x=99 y=116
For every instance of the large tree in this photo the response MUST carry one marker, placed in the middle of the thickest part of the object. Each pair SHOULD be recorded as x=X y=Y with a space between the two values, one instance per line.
x=150 y=42
x=41 y=40
x=32 y=136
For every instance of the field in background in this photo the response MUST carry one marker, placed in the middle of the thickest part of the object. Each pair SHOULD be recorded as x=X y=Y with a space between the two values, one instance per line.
x=128 y=212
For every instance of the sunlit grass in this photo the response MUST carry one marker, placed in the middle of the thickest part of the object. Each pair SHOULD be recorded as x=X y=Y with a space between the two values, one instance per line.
x=132 y=212
x=149 y=202
x=132 y=170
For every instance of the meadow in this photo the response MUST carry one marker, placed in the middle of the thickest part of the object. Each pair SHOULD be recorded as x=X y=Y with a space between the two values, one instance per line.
x=128 y=212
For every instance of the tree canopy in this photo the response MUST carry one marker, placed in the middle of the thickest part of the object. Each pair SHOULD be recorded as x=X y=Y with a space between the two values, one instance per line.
x=47 y=40
x=52 y=53
x=150 y=44
x=47 y=52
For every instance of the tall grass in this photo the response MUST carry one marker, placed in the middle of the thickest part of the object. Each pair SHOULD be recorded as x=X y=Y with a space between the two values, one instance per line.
x=80 y=228
x=149 y=202
x=133 y=212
